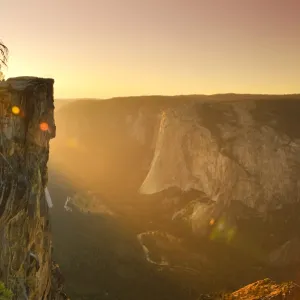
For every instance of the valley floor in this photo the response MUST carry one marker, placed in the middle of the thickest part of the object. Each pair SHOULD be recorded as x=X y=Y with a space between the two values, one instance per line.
x=102 y=259
x=136 y=254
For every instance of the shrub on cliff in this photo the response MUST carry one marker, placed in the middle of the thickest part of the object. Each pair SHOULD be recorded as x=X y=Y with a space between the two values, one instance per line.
x=5 y=294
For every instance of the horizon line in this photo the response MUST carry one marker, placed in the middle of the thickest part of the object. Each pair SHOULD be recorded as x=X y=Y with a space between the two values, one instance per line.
x=177 y=95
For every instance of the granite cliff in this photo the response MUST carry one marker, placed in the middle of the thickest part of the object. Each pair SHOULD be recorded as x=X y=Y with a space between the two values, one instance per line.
x=27 y=125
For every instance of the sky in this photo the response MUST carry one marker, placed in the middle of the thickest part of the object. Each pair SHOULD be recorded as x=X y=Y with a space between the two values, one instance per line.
x=108 y=48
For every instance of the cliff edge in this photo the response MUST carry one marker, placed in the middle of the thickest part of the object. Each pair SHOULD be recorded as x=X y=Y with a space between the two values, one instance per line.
x=27 y=125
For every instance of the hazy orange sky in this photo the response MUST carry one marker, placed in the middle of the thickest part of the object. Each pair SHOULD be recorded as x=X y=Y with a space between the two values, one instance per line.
x=106 y=48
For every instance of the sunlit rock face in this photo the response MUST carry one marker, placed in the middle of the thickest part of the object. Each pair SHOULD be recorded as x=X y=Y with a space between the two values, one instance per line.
x=246 y=151
x=27 y=125
x=266 y=290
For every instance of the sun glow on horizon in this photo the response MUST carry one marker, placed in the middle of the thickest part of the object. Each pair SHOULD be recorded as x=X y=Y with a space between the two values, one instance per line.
x=116 y=50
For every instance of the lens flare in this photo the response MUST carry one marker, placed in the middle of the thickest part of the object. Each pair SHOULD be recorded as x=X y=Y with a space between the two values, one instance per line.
x=231 y=234
x=221 y=226
x=15 y=110
x=44 y=126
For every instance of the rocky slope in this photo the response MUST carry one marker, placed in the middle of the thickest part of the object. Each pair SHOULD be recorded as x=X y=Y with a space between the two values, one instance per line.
x=27 y=125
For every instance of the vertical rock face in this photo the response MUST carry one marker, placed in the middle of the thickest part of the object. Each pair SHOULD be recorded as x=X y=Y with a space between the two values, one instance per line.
x=245 y=151
x=27 y=125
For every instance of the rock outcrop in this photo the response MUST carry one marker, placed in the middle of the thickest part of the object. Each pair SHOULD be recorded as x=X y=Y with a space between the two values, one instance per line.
x=27 y=125
x=266 y=290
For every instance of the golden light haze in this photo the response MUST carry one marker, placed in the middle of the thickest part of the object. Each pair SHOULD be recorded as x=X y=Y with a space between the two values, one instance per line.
x=106 y=48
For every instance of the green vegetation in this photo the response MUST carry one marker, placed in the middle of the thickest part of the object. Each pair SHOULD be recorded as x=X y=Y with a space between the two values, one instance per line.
x=5 y=294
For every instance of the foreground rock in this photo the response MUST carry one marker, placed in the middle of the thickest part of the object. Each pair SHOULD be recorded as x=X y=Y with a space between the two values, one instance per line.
x=267 y=290
x=27 y=125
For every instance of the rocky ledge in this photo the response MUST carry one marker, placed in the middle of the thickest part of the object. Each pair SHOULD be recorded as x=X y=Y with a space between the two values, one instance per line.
x=267 y=290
